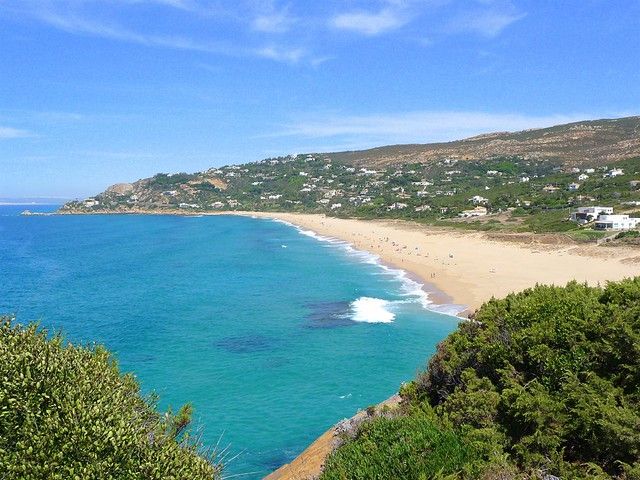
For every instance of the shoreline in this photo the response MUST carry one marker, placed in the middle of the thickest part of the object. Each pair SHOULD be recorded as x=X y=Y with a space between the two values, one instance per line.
x=456 y=267
x=469 y=268
x=436 y=300
x=437 y=297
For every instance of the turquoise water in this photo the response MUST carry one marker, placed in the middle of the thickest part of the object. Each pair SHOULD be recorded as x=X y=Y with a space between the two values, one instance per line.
x=272 y=333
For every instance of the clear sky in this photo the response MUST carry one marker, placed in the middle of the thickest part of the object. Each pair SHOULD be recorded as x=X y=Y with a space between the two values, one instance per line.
x=94 y=92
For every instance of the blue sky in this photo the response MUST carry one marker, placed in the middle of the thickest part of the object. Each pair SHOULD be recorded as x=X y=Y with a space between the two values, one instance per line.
x=94 y=92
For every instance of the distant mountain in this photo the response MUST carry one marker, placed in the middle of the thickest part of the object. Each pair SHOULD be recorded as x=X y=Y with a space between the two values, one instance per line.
x=595 y=142
x=538 y=174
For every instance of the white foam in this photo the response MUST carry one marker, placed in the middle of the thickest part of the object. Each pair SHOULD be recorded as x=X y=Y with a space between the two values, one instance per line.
x=371 y=310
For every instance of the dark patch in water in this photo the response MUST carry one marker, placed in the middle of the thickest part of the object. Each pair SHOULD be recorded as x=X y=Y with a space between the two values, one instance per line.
x=246 y=344
x=276 y=362
x=328 y=315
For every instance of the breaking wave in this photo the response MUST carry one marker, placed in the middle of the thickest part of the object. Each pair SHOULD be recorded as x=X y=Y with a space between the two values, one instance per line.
x=371 y=310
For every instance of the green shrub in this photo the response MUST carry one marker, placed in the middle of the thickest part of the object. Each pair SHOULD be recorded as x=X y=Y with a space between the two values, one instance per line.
x=565 y=363
x=404 y=447
x=66 y=412
x=546 y=381
x=628 y=234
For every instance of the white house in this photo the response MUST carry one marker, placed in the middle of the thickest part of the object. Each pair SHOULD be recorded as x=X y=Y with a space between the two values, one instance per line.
x=524 y=179
x=573 y=187
x=476 y=212
x=589 y=214
x=477 y=199
x=616 y=222
x=336 y=206
x=397 y=206
x=582 y=177
x=615 y=172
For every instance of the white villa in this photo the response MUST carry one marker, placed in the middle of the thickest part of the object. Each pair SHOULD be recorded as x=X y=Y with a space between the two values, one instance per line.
x=616 y=222
x=423 y=208
x=476 y=212
x=589 y=214
x=477 y=199
x=397 y=206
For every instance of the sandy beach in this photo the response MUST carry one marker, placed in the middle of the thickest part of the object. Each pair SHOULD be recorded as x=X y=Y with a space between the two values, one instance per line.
x=472 y=267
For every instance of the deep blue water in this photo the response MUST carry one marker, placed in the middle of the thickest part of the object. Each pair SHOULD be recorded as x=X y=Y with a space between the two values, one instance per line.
x=272 y=334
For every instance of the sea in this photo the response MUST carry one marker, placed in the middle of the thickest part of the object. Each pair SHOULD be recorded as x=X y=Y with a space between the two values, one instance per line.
x=271 y=332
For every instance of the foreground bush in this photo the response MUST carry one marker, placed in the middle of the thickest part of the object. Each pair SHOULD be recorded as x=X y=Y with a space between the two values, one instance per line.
x=544 y=382
x=66 y=412
x=403 y=447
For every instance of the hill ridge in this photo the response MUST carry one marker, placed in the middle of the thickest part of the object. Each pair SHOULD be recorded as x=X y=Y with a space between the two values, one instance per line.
x=599 y=141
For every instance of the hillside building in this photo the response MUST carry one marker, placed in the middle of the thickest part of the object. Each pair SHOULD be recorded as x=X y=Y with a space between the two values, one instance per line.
x=616 y=222
x=476 y=212
x=589 y=214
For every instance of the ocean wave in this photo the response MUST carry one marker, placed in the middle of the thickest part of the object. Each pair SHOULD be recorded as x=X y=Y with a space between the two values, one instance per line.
x=371 y=310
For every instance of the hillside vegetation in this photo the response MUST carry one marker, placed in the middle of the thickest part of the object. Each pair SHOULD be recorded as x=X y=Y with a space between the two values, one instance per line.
x=66 y=412
x=541 y=384
x=522 y=191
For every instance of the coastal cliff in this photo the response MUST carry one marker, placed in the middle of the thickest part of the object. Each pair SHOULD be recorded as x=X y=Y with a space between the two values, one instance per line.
x=308 y=465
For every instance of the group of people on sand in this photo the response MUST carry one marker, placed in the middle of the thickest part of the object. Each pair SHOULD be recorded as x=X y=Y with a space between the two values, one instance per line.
x=397 y=247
